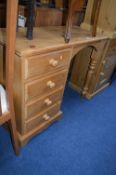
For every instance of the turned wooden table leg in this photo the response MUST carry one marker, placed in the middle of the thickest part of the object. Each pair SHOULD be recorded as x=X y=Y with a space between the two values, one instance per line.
x=74 y=6
x=67 y=35
x=90 y=73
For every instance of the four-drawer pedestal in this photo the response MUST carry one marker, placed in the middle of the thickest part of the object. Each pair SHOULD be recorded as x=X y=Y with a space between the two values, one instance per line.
x=38 y=90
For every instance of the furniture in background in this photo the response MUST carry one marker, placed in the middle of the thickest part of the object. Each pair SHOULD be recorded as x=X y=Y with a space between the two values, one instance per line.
x=78 y=6
x=52 y=16
x=95 y=16
x=2 y=15
x=106 y=22
x=106 y=26
x=9 y=116
x=33 y=16
x=74 y=6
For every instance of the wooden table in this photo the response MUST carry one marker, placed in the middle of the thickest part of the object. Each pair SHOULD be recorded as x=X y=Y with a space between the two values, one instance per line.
x=41 y=69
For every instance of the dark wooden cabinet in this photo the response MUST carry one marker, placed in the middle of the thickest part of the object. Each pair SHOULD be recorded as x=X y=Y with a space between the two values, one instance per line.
x=109 y=65
x=104 y=69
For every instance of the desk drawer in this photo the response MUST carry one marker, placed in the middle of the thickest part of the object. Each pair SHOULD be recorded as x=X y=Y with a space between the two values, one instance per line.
x=38 y=65
x=43 y=104
x=110 y=61
x=105 y=77
x=42 y=87
x=112 y=46
x=42 y=118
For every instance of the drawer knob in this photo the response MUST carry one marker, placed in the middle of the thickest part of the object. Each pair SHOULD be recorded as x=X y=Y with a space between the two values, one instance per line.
x=104 y=62
x=61 y=57
x=50 y=84
x=48 y=102
x=53 y=62
x=46 y=117
x=102 y=74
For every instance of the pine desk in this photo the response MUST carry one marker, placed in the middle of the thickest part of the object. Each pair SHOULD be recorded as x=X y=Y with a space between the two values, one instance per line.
x=41 y=69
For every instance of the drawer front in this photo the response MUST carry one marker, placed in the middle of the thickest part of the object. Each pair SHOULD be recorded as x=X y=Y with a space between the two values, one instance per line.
x=38 y=65
x=46 y=86
x=112 y=46
x=43 y=104
x=111 y=61
x=42 y=118
x=105 y=77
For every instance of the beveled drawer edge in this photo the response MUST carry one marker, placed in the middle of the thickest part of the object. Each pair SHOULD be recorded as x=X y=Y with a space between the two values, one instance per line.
x=62 y=51
x=42 y=76
x=42 y=113
x=49 y=76
x=42 y=97
x=46 y=76
x=44 y=51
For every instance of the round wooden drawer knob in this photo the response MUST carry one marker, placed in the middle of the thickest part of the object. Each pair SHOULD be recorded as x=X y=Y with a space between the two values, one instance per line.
x=61 y=57
x=53 y=62
x=103 y=62
x=50 y=84
x=102 y=74
x=48 y=102
x=46 y=117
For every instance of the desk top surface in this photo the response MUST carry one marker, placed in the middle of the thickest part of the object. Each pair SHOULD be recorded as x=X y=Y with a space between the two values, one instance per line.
x=49 y=38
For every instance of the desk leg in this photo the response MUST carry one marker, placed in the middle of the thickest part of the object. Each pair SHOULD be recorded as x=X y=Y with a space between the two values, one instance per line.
x=90 y=73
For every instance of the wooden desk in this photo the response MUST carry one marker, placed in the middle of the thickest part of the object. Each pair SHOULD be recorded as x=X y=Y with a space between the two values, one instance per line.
x=41 y=69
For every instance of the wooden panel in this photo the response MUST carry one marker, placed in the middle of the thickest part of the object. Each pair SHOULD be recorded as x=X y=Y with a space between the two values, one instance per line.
x=42 y=118
x=48 y=17
x=43 y=87
x=46 y=63
x=104 y=78
x=80 y=67
x=107 y=71
x=107 y=21
x=40 y=105
x=112 y=46
x=110 y=61
x=19 y=93
x=109 y=64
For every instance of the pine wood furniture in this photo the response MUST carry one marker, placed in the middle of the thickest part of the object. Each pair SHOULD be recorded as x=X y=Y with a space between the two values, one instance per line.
x=8 y=117
x=80 y=70
x=74 y=6
x=106 y=25
x=78 y=5
x=41 y=69
x=107 y=18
